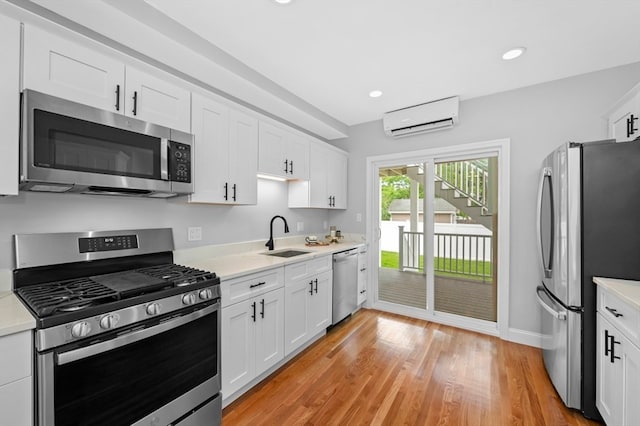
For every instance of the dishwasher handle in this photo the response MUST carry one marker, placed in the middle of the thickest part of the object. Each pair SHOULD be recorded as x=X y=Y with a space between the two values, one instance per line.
x=344 y=255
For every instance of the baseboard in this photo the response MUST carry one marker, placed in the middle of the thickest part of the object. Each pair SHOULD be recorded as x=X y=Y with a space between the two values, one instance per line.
x=524 y=337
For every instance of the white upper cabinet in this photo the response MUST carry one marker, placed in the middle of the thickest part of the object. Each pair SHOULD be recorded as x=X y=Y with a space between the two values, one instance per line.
x=73 y=71
x=624 y=124
x=282 y=153
x=327 y=184
x=153 y=99
x=243 y=157
x=226 y=154
x=9 y=105
x=80 y=72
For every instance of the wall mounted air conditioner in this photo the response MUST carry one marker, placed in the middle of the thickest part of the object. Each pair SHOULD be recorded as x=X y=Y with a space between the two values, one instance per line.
x=429 y=117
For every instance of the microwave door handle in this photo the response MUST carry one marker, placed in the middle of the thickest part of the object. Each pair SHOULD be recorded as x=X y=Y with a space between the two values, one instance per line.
x=164 y=158
x=132 y=337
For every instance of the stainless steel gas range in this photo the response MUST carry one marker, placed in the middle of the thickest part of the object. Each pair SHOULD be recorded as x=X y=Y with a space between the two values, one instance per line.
x=124 y=335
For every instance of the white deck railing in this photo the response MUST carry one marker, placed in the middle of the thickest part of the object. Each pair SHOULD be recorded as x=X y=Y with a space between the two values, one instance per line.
x=462 y=254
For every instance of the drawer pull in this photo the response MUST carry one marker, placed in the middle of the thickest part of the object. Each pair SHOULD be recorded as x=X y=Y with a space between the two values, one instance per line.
x=613 y=311
x=257 y=285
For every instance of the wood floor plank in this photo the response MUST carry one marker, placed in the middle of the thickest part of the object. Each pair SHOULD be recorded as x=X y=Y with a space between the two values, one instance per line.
x=379 y=368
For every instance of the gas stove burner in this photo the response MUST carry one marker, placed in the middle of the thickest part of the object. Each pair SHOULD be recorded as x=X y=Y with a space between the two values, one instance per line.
x=76 y=307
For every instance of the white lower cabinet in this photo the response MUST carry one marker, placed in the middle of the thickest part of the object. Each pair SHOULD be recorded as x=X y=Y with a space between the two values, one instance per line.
x=252 y=339
x=16 y=380
x=617 y=363
x=308 y=291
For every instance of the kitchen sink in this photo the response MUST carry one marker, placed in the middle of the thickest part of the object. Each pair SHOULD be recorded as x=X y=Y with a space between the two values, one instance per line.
x=286 y=253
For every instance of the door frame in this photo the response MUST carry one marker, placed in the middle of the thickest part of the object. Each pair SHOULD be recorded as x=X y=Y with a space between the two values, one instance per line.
x=499 y=148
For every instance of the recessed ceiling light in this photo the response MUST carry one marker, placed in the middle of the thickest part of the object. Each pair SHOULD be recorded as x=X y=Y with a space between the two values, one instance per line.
x=513 y=53
x=282 y=1
x=375 y=93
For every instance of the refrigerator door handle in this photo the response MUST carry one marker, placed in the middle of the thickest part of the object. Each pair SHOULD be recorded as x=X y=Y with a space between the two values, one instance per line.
x=562 y=316
x=546 y=174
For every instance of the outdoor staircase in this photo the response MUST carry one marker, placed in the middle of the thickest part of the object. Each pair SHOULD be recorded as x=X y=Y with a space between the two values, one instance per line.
x=464 y=185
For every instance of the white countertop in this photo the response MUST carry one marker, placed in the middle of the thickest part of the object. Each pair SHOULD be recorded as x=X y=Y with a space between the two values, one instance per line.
x=235 y=265
x=14 y=317
x=227 y=261
x=627 y=290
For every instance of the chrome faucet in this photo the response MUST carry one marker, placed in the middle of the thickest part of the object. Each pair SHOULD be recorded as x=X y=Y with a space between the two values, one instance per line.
x=286 y=230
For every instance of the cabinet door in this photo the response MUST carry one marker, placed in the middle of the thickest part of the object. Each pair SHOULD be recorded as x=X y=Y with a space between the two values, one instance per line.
x=624 y=123
x=16 y=403
x=210 y=127
x=320 y=303
x=271 y=146
x=9 y=105
x=243 y=158
x=631 y=383
x=155 y=100
x=337 y=179
x=609 y=373
x=269 y=330
x=297 y=154
x=362 y=278
x=318 y=176
x=70 y=70
x=238 y=346
x=296 y=329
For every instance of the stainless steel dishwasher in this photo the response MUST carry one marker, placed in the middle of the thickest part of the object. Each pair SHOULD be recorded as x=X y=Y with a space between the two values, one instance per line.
x=345 y=284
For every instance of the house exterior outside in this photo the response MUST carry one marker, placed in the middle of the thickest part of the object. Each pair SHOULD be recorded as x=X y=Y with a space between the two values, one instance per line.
x=400 y=211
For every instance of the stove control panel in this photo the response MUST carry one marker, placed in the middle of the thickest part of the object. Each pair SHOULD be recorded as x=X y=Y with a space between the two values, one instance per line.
x=116 y=242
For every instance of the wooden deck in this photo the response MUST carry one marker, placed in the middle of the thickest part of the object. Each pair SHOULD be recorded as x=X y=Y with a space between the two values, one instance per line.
x=453 y=295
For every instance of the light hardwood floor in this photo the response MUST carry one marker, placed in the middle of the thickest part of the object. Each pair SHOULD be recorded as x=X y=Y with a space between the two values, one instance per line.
x=381 y=368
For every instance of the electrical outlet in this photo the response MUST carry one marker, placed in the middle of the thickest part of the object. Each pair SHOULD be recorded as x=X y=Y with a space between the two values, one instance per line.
x=194 y=233
x=358 y=217
x=324 y=225
x=300 y=226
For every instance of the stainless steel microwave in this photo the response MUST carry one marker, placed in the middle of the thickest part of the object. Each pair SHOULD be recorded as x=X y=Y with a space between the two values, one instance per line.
x=70 y=147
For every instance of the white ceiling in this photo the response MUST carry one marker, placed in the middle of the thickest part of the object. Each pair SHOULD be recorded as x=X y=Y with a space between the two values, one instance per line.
x=331 y=53
x=324 y=56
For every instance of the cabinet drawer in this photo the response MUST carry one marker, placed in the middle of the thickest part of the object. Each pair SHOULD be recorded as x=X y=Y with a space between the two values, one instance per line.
x=243 y=288
x=312 y=267
x=622 y=315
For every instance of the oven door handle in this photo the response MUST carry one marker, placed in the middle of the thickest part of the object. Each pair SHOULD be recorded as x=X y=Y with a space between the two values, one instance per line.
x=132 y=337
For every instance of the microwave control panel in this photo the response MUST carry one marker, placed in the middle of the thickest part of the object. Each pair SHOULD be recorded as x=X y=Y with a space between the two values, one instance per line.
x=180 y=163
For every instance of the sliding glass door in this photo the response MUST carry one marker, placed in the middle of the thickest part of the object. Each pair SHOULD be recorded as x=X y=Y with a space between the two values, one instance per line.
x=437 y=246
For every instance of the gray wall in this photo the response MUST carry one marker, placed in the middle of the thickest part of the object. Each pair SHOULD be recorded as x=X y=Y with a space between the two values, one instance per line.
x=537 y=119
x=41 y=212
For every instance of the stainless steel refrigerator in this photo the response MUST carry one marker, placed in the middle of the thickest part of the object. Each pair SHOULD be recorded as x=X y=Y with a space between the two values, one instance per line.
x=588 y=225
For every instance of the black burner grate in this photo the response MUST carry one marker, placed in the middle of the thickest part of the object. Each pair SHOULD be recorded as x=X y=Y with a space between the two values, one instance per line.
x=65 y=296
x=178 y=275
x=79 y=293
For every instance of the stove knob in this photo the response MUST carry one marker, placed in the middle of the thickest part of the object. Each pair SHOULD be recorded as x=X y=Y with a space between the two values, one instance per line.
x=205 y=294
x=153 y=309
x=81 y=329
x=108 y=321
x=189 y=299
